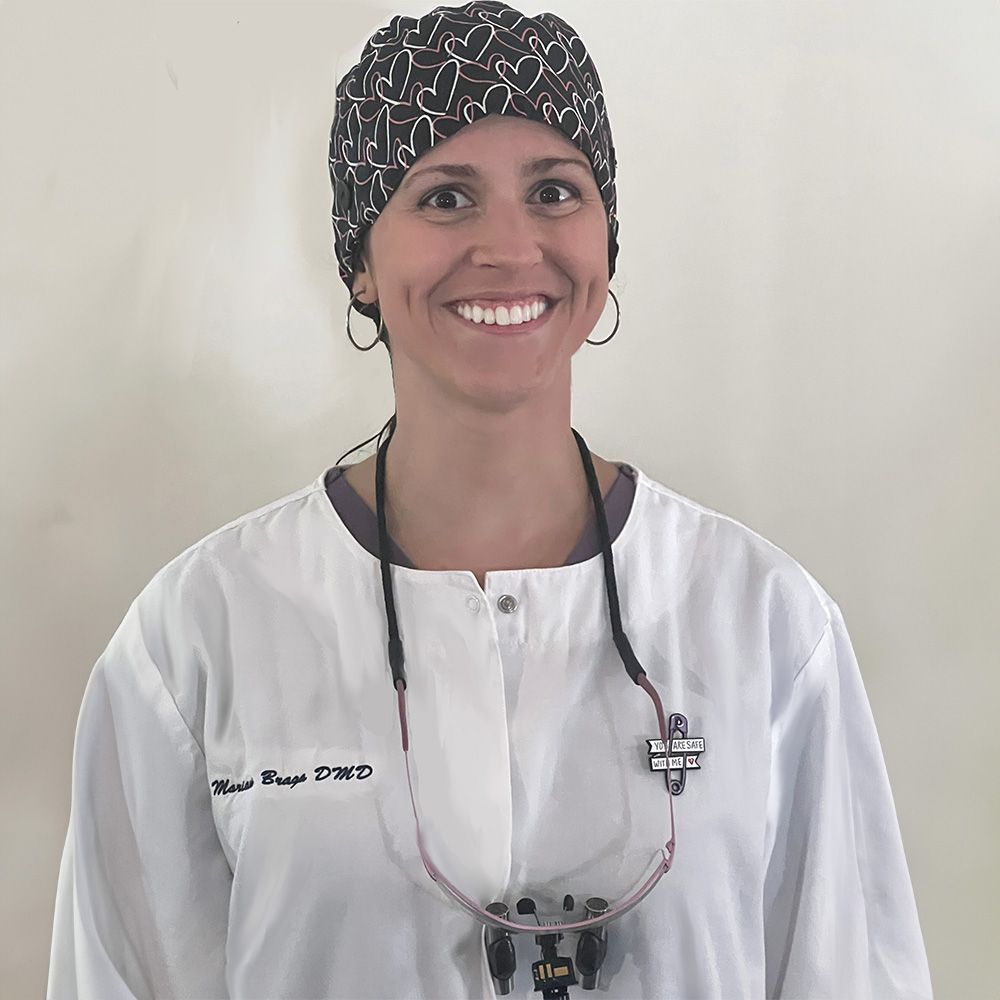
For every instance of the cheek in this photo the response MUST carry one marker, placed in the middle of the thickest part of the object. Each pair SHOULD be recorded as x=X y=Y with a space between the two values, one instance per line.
x=586 y=240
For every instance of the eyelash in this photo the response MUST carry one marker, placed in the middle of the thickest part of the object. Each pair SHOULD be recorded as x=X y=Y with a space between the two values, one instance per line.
x=541 y=187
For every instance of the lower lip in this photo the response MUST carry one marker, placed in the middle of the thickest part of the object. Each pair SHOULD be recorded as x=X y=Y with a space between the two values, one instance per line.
x=506 y=331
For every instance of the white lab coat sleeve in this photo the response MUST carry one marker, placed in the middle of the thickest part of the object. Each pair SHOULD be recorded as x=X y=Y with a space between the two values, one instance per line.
x=143 y=893
x=840 y=918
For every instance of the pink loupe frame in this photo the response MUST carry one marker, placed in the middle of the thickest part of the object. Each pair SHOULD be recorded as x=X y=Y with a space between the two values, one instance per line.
x=661 y=867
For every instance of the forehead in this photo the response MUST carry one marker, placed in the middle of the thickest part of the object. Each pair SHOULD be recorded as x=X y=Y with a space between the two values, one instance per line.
x=501 y=130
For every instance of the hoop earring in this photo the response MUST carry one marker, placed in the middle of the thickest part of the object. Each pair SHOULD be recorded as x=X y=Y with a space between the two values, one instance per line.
x=381 y=328
x=618 y=308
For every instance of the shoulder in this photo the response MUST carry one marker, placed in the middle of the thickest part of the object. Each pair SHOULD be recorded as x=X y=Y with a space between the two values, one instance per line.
x=267 y=532
x=181 y=618
x=719 y=561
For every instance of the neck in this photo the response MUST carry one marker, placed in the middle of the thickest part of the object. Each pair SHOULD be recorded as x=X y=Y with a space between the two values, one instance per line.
x=481 y=490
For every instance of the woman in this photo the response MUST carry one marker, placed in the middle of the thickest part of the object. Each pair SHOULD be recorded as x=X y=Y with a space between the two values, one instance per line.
x=300 y=772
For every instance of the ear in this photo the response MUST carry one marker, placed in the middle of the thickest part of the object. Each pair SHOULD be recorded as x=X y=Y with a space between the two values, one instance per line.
x=362 y=288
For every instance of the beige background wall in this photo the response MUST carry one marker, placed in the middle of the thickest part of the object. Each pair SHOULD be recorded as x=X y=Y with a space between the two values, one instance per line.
x=810 y=244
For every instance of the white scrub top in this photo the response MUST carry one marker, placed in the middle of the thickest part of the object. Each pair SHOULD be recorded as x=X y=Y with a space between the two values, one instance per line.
x=241 y=824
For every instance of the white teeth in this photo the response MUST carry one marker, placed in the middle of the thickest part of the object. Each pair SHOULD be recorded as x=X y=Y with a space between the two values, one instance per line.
x=501 y=316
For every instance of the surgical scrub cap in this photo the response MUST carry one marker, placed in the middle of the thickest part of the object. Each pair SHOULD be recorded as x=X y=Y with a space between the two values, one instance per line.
x=419 y=81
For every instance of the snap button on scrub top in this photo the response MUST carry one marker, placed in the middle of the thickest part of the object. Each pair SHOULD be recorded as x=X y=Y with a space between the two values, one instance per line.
x=507 y=604
x=472 y=603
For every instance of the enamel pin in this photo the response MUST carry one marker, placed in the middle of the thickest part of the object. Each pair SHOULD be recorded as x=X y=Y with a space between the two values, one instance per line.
x=683 y=756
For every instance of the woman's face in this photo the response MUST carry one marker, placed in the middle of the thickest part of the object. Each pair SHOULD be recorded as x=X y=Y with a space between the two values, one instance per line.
x=441 y=239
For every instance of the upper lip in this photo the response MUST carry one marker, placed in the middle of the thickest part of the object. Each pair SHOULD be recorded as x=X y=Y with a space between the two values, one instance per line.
x=503 y=296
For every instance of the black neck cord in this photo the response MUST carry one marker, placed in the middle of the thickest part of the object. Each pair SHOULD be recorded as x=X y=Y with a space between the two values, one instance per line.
x=624 y=647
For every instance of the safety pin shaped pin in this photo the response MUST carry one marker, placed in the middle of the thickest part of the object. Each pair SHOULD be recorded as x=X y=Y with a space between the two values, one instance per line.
x=683 y=755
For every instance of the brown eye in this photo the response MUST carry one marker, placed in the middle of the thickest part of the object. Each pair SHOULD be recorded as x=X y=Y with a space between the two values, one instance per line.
x=550 y=185
x=437 y=194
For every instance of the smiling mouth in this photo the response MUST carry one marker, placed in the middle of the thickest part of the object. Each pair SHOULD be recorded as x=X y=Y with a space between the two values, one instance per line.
x=509 y=329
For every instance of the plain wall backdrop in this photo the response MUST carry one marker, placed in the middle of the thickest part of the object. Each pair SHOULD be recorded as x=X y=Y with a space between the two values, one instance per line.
x=809 y=198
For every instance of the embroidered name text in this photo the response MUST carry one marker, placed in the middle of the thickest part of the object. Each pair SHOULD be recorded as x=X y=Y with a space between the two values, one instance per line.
x=271 y=777
x=359 y=771
x=223 y=786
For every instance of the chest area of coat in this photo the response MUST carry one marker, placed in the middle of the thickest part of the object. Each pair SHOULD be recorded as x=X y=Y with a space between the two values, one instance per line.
x=526 y=765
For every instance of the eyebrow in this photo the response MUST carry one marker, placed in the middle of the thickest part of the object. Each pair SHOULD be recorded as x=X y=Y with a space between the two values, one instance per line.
x=528 y=169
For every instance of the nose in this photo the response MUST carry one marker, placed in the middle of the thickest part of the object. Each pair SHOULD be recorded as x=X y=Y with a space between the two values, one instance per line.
x=508 y=234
